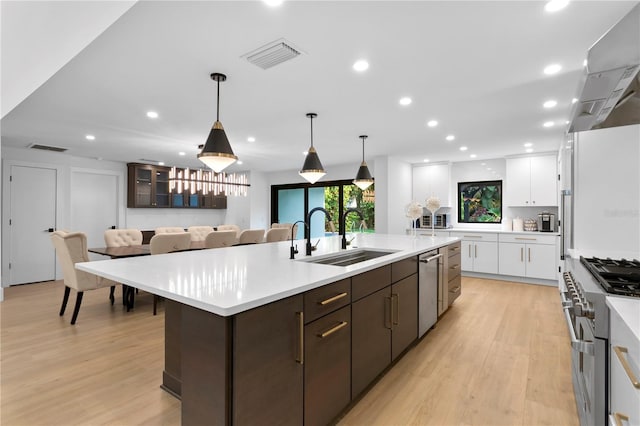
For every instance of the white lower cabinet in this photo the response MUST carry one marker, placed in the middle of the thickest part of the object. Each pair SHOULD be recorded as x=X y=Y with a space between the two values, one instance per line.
x=624 y=362
x=479 y=251
x=528 y=256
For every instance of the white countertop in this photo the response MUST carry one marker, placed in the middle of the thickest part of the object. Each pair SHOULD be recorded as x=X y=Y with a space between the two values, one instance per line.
x=628 y=309
x=230 y=280
x=484 y=231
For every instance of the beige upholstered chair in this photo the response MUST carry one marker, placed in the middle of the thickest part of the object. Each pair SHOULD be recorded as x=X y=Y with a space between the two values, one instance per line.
x=288 y=226
x=218 y=239
x=169 y=230
x=235 y=228
x=71 y=248
x=122 y=237
x=167 y=243
x=251 y=236
x=278 y=234
x=199 y=233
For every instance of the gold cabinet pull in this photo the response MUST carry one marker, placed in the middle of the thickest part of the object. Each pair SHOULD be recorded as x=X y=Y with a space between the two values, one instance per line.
x=475 y=250
x=620 y=350
x=332 y=299
x=521 y=254
x=472 y=236
x=469 y=250
x=454 y=290
x=389 y=304
x=619 y=418
x=529 y=254
x=332 y=330
x=527 y=239
x=454 y=266
x=300 y=354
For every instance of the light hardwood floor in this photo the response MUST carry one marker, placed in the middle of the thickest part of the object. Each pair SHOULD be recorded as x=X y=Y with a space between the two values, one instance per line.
x=499 y=356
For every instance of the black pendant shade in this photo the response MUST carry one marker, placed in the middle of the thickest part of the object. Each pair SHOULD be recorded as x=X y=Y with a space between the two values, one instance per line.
x=363 y=178
x=312 y=169
x=217 y=152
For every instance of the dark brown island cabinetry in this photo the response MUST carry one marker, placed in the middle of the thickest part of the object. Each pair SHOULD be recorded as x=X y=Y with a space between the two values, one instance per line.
x=299 y=360
x=454 y=279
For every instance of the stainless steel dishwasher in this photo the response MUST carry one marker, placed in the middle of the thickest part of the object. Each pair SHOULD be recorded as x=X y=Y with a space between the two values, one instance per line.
x=428 y=277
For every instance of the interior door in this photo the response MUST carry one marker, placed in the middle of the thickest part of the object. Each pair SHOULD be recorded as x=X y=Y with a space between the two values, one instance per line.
x=32 y=218
x=94 y=205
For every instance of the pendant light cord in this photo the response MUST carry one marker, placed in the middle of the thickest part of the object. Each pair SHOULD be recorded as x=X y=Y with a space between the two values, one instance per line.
x=311 y=117
x=218 y=103
x=362 y=149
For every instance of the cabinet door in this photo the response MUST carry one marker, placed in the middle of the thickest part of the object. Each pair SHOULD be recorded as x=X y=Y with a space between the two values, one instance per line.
x=518 y=184
x=541 y=261
x=432 y=180
x=404 y=314
x=370 y=338
x=466 y=255
x=140 y=186
x=267 y=373
x=485 y=257
x=161 y=188
x=544 y=189
x=511 y=260
x=420 y=184
x=327 y=368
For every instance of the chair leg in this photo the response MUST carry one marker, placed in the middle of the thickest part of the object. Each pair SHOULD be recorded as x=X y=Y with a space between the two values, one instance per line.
x=111 y=297
x=155 y=304
x=76 y=309
x=131 y=294
x=65 y=299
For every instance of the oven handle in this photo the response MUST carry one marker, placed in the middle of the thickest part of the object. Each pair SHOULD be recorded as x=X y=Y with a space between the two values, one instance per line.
x=579 y=345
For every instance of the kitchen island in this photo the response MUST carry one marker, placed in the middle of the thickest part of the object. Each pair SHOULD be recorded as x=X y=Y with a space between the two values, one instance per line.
x=253 y=337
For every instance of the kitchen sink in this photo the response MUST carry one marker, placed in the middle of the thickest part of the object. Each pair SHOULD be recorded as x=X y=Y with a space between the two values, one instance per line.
x=349 y=257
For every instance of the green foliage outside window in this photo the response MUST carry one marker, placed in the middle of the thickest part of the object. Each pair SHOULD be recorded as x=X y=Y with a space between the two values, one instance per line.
x=354 y=197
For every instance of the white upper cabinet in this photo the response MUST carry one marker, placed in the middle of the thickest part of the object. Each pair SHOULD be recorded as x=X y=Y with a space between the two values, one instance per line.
x=432 y=180
x=532 y=181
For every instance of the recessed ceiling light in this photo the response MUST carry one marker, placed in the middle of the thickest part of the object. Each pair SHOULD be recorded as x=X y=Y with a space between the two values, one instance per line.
x=450 y=137
x=552 y=69
x=584 y=63
x=548 y=124
x=574 y=100
x=239 y=162
x=529 y=150
x=90 y=138
x=528 y=144
x=361 y=65
x=473 y=156
x=426 y=160
x=550 y=103
x=273 y=3
x=182 y=153
x=555 y=5
x=251 y=139
x=432 y=123
x=489 y=168
x=463 y=148
x=405 y=101
x=152 y=114
x=483 y=164
x=160 y=163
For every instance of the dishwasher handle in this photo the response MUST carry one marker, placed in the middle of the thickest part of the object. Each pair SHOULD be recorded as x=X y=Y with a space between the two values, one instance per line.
x=429 y=259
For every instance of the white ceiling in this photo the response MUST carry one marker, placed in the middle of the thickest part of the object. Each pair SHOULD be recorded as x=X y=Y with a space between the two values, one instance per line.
x=474 y=66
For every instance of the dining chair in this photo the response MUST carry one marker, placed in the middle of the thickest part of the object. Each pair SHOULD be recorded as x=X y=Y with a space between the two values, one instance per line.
x=71 y=248
x=199 y=233
x=288 y=226
x=251 y=236
x=218 y=239
x=167 y=243
x=169 y=230
x=235 y=228
x=122 y=237
x=278 y=234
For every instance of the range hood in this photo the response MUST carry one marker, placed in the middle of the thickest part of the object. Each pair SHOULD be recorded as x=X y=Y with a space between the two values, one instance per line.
x=609 y=90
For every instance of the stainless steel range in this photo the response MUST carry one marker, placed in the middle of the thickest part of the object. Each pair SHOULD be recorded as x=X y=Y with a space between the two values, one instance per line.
x=583 y=290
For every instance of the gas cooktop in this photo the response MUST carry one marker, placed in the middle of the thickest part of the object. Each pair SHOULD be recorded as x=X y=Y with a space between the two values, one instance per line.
x=620 y=277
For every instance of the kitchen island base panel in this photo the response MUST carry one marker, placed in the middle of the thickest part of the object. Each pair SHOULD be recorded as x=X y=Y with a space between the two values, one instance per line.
x=171 y=377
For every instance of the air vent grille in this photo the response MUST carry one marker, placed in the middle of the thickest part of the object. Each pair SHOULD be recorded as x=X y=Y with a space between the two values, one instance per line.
x=272 y=54
x=47 y=148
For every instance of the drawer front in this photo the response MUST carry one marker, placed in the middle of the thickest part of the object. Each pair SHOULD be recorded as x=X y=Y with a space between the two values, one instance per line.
x=624 y=355
x=530 y=238
x=475 y=236
x=404 y=268
x=454 y=267
x=455 y=289
x=323 y=300
x=454 y=249
x=370 y=282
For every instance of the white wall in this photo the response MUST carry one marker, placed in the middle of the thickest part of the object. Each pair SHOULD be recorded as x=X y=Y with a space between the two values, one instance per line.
x=393 y=193
x=607 y=192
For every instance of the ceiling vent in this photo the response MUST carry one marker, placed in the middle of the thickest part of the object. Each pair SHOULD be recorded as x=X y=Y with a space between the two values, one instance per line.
x=47 y=148
x=272 y=54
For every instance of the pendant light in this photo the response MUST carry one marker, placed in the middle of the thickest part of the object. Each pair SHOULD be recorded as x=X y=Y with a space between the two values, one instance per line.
x=312 y=169
x=363 y=179
x=217 y=152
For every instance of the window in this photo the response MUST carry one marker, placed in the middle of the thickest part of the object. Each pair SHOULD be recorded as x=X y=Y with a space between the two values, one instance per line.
x=290 y=203
x=480 y=202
